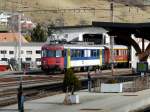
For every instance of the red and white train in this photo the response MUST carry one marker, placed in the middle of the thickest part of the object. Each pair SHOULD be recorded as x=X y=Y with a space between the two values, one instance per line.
x=82 y=57
x=4 y=66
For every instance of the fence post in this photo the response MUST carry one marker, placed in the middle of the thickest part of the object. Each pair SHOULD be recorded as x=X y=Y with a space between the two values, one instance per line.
x=89 y=82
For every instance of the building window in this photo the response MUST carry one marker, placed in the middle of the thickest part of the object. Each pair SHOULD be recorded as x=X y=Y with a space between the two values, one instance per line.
x=3 y=52
x=29 y=52
x=11 y=52
x=38 y=59
x=4 y=59
x=38 y=51
x=28 y=59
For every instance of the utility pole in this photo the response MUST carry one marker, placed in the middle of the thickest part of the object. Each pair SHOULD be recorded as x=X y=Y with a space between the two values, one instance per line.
x=112 y=38
x=20 y=89
x=20 y=38
x=19 y=47
x=112 y=10
x=112 y=53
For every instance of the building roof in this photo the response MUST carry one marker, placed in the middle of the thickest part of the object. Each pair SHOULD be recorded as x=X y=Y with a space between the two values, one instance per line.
x=11 y=37
x=23 y=44
x=138 y=29
x=87 y=29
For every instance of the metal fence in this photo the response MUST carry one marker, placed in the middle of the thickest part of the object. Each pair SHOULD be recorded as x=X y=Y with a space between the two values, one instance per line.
x=130 y=83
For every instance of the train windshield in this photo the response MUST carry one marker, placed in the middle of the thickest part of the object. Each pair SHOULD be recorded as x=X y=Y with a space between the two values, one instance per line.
x=58 y=53
x=52 y=53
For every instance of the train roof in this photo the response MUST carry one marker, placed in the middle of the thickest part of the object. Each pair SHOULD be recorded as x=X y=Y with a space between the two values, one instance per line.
x=84 y=45
x=75 y=46
x=117 y=46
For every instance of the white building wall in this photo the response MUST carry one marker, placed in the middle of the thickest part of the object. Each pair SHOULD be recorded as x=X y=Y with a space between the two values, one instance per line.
x=24 y=54
x=76 y=33
x=134 y=58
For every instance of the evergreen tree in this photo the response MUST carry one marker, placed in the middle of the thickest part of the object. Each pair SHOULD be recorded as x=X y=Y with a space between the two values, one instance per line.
x=38 y=34
x=71 y=82
x=28 y=38
x=50 y=30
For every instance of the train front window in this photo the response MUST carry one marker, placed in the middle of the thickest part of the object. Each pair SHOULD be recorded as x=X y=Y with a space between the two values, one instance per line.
x=50 y=53
x=58 y=53
x=44 y=53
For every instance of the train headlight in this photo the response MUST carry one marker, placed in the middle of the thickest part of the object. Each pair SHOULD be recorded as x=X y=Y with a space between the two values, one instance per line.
x=44 y=62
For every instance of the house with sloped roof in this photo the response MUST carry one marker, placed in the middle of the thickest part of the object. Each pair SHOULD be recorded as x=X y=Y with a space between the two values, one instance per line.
x=4 y=18
x=12 y=37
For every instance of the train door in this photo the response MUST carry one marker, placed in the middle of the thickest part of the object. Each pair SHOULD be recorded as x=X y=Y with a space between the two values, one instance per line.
x=67 y=58
x=107 y=56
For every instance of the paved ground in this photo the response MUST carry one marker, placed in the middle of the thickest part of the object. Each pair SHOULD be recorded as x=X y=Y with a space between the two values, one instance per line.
x=89 y=102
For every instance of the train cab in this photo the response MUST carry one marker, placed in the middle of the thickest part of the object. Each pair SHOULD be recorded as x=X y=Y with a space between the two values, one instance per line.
x=52 y=57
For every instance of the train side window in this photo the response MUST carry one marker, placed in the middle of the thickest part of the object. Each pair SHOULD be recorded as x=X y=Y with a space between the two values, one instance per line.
x=82 y=53
x=72 y=53
x=114 y=52
x=93 y=53
x=78 y=53
x=123 y=52
x=87 y=53
x=98 y=53
x=117 y=52
x=126 y=52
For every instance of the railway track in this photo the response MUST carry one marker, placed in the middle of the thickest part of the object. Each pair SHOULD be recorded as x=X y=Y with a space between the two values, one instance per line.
x=8 y=95
x=37 y=86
